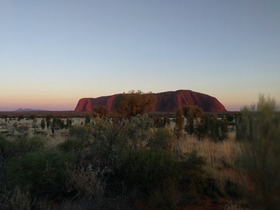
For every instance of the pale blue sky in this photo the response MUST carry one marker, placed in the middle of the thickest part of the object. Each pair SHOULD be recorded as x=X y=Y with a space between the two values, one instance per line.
x=54 y=52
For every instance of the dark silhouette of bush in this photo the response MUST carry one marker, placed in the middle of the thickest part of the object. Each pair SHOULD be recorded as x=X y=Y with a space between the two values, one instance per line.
x=19 y=146
x=192 y=114
x=148 y=170
x=43 y=124
x=43 y=172
x=260 y=152
x=137 y=130
x=217 y=128
x=108 y=143
x=179 y=132
x=73 y=146
x=57 y=123
x=162 y=139
x=134 y=103
x=24 y=145
x=80 y=133
x=6 y=147
x=101 y=111
x=193 y=173
x=151 y=174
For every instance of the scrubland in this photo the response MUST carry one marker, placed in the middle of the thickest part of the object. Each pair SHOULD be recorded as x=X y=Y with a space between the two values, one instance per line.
x=141 y=162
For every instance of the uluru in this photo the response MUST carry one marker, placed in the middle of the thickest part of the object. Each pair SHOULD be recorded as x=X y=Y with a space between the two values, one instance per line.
x=166 y=102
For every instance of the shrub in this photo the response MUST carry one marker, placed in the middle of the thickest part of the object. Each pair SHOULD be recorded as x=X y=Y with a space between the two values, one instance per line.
x=24 y=145
x=73 y=145
x=213 y=127
x=19 y=146
x=108 y=143
x=17 y=199
x=41 y=171
x=57 y=123
x=193 y=172
x=160 y=122
x=162 y=139
x=167 y=199
x=5 y=148
x=134 y=103
x=260 y=152
x=192 y=114
x=162 y=180
x=86 y=182
x=233 y=189
x=101 y=111
x=147 y=170
x=81 y=204
x=179 y=123
x=22 y=129
x=81 y=133
x=137 y=130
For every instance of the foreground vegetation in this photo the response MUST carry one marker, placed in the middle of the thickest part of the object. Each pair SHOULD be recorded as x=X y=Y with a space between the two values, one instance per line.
x=140 y=162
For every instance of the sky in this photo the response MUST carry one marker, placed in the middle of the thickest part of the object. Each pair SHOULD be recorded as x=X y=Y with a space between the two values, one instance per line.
x=54 y=52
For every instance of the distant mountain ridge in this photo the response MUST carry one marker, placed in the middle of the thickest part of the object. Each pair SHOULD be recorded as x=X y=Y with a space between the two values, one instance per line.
x=29 y=110
x=166 y=102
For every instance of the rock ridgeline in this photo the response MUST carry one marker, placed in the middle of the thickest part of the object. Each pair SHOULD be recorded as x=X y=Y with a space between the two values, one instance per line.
x=166 y=102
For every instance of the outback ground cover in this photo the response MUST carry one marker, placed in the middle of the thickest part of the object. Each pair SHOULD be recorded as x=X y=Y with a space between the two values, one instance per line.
x=193 y=160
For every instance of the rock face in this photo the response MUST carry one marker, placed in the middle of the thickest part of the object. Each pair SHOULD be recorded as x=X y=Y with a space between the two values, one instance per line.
x=166 y=102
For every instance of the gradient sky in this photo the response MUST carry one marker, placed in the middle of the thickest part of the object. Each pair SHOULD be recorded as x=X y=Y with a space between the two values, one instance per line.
x=54 y=52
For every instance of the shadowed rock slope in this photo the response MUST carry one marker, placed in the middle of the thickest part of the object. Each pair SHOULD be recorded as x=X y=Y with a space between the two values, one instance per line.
x=165 y=102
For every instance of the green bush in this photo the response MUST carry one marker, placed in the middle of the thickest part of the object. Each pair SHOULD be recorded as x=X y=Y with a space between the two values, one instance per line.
x=19 y=146
x=86 y=183
x=73 y=145
x=81 y=133
x=162 y=139
x=148 y=170
x=78 y=144
x=137 y=130
x=5 y=147
x=17 y=198
x=43 y=172
x=260 y=152
x=160 y=179
x=193 y=173
x=24 y=145
x=108 y=143
x=16 y=148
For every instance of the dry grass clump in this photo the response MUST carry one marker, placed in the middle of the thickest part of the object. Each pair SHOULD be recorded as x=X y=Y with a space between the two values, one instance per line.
x=52 y=140
x=86 y=182
x=17 y=199
x=221 y=154
x=220 y=157
x=232 y=206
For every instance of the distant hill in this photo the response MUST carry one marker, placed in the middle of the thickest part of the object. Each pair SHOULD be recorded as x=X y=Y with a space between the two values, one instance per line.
x=166 y=102
x=29 y=110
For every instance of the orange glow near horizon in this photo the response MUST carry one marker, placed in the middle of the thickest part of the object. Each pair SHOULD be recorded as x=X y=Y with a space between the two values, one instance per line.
x=70 y=104
x=63 y=100
x=37 y=103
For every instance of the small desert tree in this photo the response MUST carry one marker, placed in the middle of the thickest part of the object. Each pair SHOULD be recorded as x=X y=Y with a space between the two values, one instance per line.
x=57 y=123
x=260 y=156
x=134 y=103
x=179 y=123
x=69 y=123
x=43 y=124
x=101 y=111
x=87 y=120
x=48 y=121
x=192 y=113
